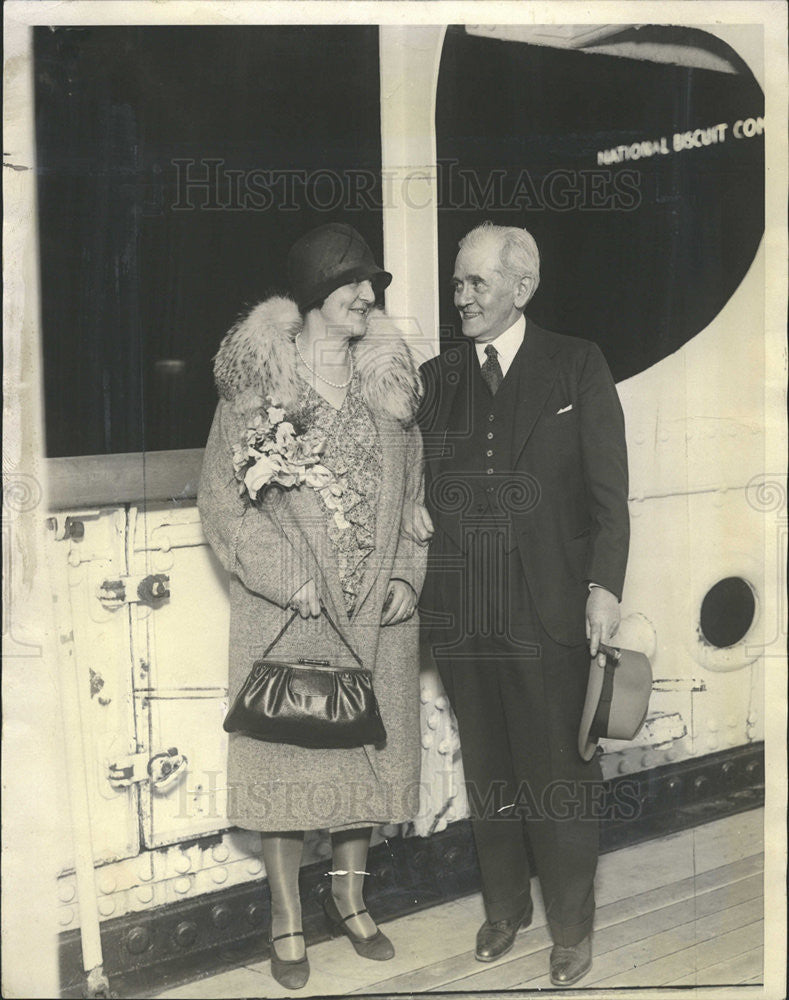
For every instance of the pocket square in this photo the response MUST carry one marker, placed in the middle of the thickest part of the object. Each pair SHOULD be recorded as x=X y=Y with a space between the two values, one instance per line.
x=565 y=409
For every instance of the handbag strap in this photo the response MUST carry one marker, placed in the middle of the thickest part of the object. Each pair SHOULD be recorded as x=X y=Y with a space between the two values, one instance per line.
x=288 y=623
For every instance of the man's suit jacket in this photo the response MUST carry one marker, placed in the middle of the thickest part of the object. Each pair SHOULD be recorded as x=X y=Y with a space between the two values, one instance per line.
x=568 y=453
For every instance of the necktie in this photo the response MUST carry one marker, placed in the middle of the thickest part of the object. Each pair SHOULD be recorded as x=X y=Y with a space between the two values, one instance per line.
x=491 y=370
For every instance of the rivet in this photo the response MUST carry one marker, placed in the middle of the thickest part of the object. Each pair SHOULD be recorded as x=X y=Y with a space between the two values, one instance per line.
x=622 y=767
x=66 y=891
x=427 y=740
x=712 y=725
x=107 y=883
x=441 y=702
x=186 y=933
x=221 y=915
x=432 y=721
x=106 y=906
x=699 y=783
x=731 y=721
x=256 y=914
x=182 y=863
x=219 y=875
x=254 y=867
x=138 y=940
x=145 y=893
x=182 y=885
x=323 y=849
x=390 y=830
x=66 y=915
x=671 y=754
x=220 y=853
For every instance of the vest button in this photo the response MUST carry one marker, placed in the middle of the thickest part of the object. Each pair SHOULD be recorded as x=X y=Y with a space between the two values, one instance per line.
x=491 y=417
x=490 y=472
x=489 y=453
x=490 y=435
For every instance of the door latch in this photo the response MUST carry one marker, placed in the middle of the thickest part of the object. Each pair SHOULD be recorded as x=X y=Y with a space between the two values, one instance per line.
x=151 y=590
x=163 y=770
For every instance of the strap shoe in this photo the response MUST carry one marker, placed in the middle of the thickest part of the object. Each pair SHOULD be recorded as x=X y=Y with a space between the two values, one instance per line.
x=290 y=973
x=377 y=947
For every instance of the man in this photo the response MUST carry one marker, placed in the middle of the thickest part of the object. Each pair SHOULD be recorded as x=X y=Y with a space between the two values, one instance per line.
x=526 y=483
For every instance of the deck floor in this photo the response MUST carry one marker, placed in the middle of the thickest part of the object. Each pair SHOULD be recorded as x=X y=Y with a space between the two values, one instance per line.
x=686 y=910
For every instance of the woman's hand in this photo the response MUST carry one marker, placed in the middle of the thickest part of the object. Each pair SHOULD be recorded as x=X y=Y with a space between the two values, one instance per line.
x=400 y=603
x=415 y=522
x=306 y=601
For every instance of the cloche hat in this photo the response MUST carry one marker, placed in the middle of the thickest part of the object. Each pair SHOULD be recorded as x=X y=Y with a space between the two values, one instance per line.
x=328 y=257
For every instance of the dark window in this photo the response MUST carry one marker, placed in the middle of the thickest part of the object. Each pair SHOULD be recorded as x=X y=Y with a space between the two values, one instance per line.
x=143 y=267
x=727 y=612
x=638 y=255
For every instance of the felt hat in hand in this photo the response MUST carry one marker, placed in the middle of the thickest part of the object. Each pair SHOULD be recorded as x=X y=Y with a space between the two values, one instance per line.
x=617 y=698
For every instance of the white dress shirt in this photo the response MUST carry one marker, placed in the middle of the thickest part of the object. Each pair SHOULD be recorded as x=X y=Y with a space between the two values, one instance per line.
x=506 y=344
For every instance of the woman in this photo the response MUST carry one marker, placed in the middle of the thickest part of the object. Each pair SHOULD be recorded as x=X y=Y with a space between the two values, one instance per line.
x=336 y=365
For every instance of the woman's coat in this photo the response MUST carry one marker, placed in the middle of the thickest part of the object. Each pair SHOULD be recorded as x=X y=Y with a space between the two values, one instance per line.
x=272 y=548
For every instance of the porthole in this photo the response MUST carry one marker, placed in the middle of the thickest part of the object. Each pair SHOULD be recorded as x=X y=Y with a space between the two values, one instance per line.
x=727 y=612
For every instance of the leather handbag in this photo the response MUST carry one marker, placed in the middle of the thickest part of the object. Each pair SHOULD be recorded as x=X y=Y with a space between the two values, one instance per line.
x=308 y=703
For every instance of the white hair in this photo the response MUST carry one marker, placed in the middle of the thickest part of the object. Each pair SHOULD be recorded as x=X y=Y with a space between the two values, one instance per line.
x=518 y=253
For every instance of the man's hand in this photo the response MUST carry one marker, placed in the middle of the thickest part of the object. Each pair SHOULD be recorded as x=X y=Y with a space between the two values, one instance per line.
x=306 y=601
x=415 y=522
x=602 y=620
x=400 y=603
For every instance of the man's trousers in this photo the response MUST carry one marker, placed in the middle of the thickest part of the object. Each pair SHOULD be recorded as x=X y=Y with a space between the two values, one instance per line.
x=518 y=698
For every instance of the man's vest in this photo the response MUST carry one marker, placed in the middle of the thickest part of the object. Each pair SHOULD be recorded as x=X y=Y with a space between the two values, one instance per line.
x=476 y=473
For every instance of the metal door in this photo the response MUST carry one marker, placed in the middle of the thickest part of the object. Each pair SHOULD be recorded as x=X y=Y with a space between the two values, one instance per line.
x=179 y=651
x=89 y=550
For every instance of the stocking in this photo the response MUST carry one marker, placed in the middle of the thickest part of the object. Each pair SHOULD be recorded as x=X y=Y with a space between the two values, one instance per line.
x=349 y=855
x=282 y=859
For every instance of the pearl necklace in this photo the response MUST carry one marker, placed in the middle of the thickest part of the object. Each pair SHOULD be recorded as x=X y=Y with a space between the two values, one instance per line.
x=311 y=370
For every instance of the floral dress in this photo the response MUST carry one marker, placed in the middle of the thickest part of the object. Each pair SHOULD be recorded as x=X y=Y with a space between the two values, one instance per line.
x=353 y=453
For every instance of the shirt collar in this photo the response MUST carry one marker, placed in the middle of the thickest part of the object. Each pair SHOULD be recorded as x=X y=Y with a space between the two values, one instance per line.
x=506 y=343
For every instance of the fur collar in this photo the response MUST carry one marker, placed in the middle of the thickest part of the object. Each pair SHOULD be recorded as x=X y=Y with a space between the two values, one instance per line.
x=258 y=355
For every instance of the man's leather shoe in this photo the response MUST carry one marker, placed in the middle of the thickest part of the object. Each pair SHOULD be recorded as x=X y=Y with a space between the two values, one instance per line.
x=568 y=965
x=496 y=938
